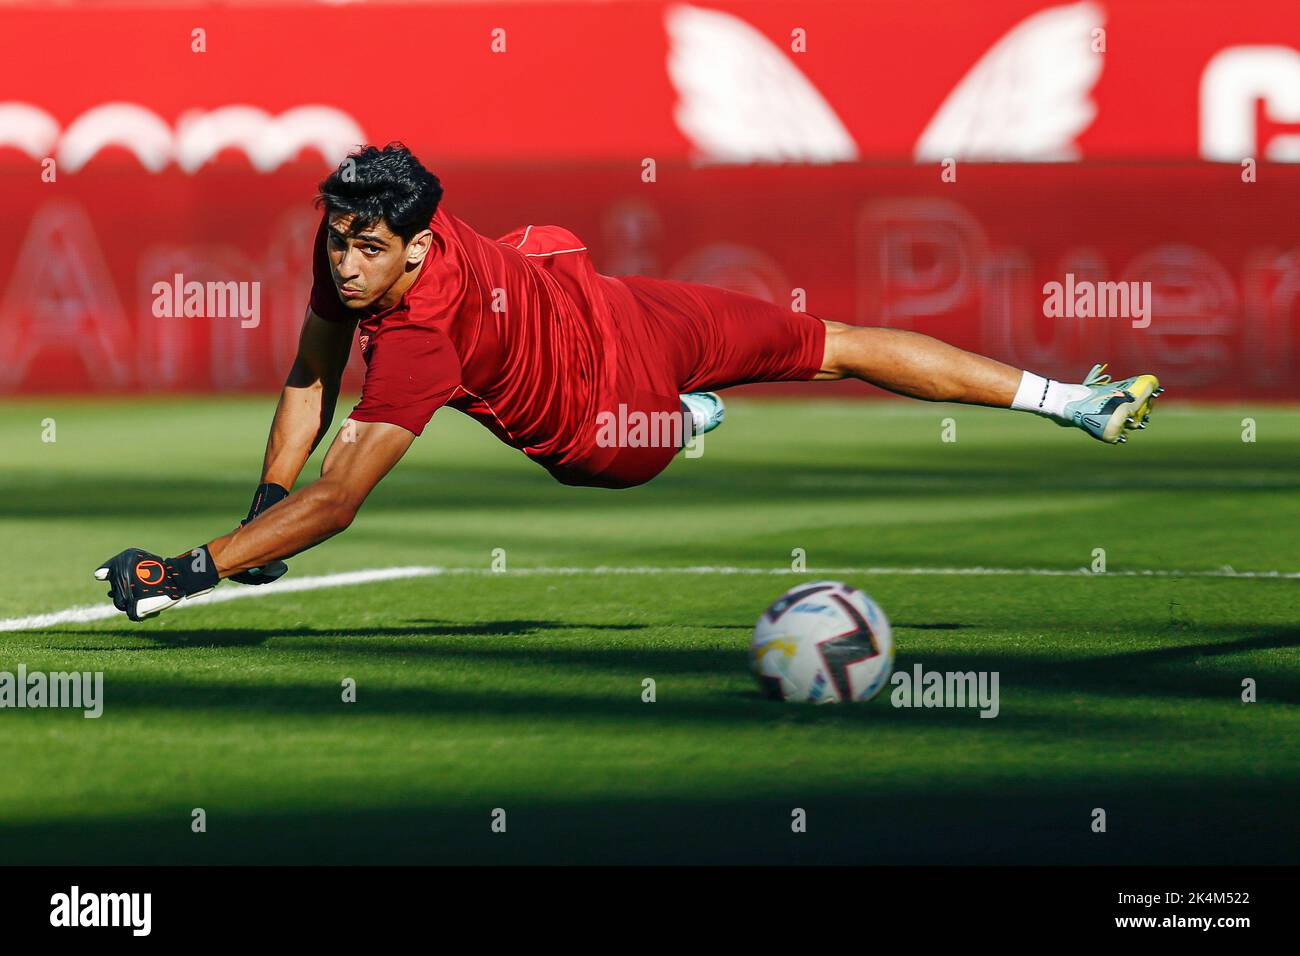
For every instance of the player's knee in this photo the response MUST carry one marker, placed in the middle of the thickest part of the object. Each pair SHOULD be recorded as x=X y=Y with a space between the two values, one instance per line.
x=842 y=345
x=336 y=503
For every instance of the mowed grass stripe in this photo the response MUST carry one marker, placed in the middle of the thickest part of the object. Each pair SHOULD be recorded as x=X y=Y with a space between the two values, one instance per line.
x=88 y=614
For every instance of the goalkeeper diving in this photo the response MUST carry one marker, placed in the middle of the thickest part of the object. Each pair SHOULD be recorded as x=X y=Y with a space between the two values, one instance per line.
x=522 y=334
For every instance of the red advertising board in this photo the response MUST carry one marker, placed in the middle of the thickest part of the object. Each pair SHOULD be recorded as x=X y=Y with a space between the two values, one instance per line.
x=796 y=146
x=806 y=81
x=968 y=261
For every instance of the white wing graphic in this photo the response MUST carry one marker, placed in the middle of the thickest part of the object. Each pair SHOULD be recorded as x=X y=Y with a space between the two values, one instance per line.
x=741 y=100
x=129 y=125
x=1027 y=98
x=28 y=128
x=268 y=141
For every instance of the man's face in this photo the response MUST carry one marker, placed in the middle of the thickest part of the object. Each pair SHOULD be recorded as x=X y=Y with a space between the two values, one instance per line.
x=374 y=267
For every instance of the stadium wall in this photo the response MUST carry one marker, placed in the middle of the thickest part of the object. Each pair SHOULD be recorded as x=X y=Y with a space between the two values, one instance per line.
x=875 y=163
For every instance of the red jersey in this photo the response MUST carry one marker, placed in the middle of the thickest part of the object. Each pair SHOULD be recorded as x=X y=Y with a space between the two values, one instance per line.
x=522 y=334
x=514 y=332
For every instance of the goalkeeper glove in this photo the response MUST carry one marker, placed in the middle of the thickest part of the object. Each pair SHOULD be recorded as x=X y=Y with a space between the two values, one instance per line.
x=267 y=494
x=142 y=584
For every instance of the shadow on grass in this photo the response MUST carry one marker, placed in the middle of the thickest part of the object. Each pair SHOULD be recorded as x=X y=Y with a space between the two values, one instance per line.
x=618 y=668
x=1166 y=672
x=1033 y=821
x=916 y=474
x=249 y=637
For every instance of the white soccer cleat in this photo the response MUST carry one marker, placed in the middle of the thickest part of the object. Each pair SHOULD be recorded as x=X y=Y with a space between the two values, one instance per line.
x=707 y=411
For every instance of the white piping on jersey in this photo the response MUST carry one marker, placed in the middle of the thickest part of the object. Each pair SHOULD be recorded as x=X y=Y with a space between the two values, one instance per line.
x=491 y=410
x=533 y=255
x=530 y=255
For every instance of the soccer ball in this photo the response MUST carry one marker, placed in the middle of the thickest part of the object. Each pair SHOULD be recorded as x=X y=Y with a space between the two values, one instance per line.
x=822 y=642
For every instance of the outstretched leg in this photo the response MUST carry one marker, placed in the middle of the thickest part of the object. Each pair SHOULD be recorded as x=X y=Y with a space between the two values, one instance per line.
x=691 y=338
x=919 y=366
x=916 y=365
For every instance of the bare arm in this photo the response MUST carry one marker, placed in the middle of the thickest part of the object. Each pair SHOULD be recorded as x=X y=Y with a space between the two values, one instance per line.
x=359 y=457
x=143 y=584
x=307 y=402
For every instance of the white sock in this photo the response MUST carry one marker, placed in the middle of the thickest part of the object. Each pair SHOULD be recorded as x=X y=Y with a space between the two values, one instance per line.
x=1045 y=396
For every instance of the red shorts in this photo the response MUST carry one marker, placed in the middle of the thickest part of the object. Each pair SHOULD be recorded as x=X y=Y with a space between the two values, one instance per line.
x=676 y=337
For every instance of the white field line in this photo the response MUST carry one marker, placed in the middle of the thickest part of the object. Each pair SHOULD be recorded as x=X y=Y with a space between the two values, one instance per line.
x=100 y=612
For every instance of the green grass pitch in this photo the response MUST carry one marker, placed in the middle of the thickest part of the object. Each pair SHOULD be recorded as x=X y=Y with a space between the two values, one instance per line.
x=480 y=690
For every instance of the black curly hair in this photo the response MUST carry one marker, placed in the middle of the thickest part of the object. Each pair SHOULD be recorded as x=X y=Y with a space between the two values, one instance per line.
x=388 y=184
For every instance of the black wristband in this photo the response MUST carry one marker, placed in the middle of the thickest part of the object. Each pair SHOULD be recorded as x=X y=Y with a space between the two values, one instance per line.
x=267 y=494
x=194 y=571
